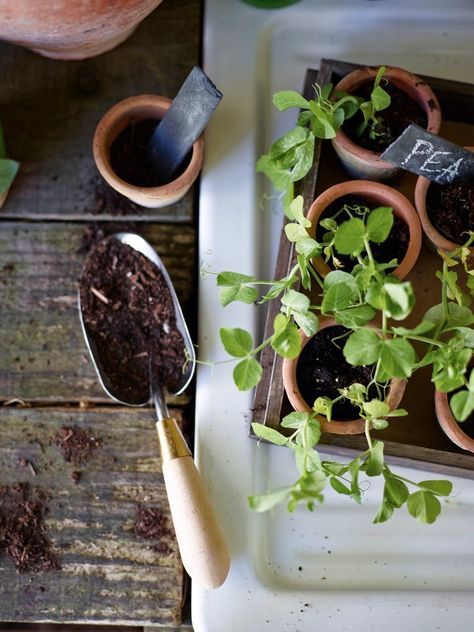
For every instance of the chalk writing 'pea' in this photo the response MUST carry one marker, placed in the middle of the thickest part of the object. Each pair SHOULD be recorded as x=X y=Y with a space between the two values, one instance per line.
x=425 y=148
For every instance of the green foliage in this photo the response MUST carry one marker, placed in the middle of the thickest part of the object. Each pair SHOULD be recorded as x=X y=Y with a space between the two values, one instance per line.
x=8 y=168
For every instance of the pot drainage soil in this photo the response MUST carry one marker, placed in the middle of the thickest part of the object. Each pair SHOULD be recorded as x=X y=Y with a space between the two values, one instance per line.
x=401 y=112
x=451 y=209
x=76 y=444
x=322 y=370
x=394 y=247
x=128 y=155
x=129 y=314
x=22 y=530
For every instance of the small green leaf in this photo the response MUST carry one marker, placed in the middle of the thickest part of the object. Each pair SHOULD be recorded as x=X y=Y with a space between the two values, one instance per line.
x=240 y=293
x=384 y=513
x=380 y=99
x=247 y=374
x=379 y=224
x=440 y=488
x=376 y=408
x=288 y=141
x=289 y=99
x=373 y=466
x=422 y=328
x=8 y=170
x=339 y=486
x=338 y=297
x=395 y=490
x=308 y=322
x=269 y=434
x=362 y=347
x=397 y=357
x=233 y=278
x=286 y=342
x=379 y=424
x=296 y=301
x=264 y=502
x=462 y=405
x=355 y=316
x=458 y=315
x=295 y=232
x=349 y=238
x=296 y=419
x=424 y=506
x=323 y=406
x=237 y=342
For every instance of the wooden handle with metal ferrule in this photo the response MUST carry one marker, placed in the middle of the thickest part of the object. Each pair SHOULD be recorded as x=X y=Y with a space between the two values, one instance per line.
x=201 y=543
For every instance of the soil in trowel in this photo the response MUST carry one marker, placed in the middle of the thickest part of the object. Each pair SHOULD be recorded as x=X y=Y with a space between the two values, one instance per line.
x=129 y=313
x=22 y=531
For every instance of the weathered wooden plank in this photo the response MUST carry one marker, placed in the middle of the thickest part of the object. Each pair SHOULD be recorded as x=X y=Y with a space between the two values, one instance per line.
x=42 y=351
x=108 y=573
x=49 y=110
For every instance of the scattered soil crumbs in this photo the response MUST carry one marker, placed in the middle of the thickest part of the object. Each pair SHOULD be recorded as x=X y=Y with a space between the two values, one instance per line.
x=151 y=524
x=401 y=112
x=22 y=530
x=451 y=209
x=322 y=370
x=95 y=232
x=394 y=247
x=76 y=444
x=110 y=202
x=128 y=312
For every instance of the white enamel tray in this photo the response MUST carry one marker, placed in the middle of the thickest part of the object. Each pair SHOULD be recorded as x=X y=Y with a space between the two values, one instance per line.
x=331 y=570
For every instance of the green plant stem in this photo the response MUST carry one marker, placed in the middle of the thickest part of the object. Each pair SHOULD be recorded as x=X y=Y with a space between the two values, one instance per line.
x=367 y=434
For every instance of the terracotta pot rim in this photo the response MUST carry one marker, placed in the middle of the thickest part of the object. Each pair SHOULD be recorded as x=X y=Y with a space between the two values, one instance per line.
x=117 y=118
x=354 y=426
x=402 y=79
x=382 y=194
x=439 y=241
x=449 y=425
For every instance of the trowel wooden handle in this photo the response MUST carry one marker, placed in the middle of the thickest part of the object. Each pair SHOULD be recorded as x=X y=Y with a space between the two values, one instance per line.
x=201 y=543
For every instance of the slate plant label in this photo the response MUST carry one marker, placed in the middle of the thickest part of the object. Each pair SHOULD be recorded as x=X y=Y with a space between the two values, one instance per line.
x=428 y=155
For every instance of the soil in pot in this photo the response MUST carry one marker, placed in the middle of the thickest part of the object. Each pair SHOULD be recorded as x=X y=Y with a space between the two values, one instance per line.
x=128 y=155
x=450 y=209
x=129 y=313
x=401 y=112
x=322 y=370
x=394 y=247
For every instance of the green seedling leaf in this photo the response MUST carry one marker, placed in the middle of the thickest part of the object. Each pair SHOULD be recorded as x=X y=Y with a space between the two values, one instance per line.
x=296 y=419
x=462 y=405
x=397 y=357
x=354 y=468
x=289 y=99
x=362 y=347
x=380 y=99
x=288 y=141
x=307 y=321
x=311 y=433
x=296 y=301
x=395 y=491
x=422 y=328
x=467 y=335
x=308 y=247
x=374 y=463
x=8 y=170
x=269 y=434
x=264 y=502
x=349 y=238
x=335 y=277
x=237 y=342
x=338 y=297
x=379 y=424
x=339 y=486
x=399 y=299
x=379 y=224
x=296 y=213
x=376 y=408
x=323 y=406
x=303 y=159
x=247 y=374
x=355 y=316
x=458 y=315
x=440 y=488
x=384 y=513
x=295 y=232
x=424 y=506
x=334 y=468
x=306 y=459
x=241 y=293
x=279 y=176
x=286 y=341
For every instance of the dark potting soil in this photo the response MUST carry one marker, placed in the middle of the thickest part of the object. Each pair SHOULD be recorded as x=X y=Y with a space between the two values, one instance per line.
x=76 y=444
x=450 y=208
x=151 y=524
x=129 y=313
x=22 y=530
x=394 y=247
x=401 y=112
x=128 y=155
x=322 y=370
x=96 y=231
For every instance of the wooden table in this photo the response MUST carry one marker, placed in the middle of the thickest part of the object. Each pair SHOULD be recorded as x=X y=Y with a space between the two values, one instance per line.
x=49 y=110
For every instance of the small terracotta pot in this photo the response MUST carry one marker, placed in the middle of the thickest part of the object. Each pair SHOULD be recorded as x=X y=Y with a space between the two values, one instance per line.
x=366 y=164
x=355 y=426
x=382 y=195
x=435 y=239
x=451 y=428
x=119 y=117
x=67 y=29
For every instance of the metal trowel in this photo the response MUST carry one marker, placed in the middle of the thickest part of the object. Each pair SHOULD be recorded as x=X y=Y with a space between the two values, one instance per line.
x=201 y=543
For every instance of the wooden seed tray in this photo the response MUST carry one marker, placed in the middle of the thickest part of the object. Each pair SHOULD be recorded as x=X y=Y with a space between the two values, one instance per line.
x=415 y=440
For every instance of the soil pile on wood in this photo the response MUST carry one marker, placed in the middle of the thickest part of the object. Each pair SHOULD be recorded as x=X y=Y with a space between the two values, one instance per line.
x=22 y=530
x=76 y=444
x=129 y=313
x=151 y=524
x=451 y=209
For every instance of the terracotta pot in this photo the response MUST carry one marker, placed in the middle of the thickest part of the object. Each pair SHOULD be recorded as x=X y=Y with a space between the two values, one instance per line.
x=119 y=117
x=67 y=29
x=435 y=239
x=366 y=164
x=355 y=426
x=382 y=195
x=451 y=428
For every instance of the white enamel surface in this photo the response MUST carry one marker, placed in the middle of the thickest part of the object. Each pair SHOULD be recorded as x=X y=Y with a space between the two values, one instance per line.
x=331 y=570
